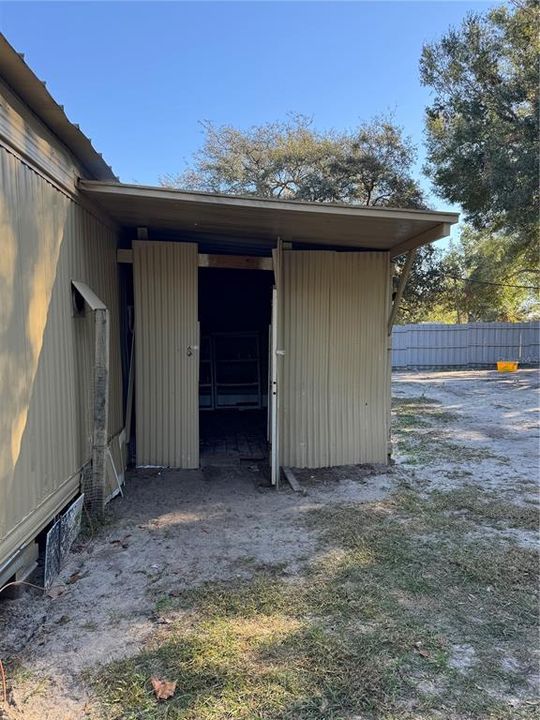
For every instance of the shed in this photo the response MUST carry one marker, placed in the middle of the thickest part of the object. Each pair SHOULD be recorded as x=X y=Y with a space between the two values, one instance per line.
x=327 y=270
x=269 y=319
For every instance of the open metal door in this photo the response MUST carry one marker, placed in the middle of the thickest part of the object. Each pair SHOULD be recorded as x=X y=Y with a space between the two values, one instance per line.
x=165 y=276
x=273 y=404
x=275 y=365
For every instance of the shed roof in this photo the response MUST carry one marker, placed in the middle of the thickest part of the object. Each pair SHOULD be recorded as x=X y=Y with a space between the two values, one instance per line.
x=256 y=221
x=33 y=92
x=230 y=221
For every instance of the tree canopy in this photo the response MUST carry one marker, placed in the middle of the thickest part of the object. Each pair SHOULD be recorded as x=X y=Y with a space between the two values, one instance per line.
x=482 y=126
x=479 y=283
x=370 y=165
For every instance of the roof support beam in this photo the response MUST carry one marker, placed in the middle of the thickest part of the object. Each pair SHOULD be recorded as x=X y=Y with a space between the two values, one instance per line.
x=230 y=262
x=401 y=288
x=124 y=255
x=236 y=262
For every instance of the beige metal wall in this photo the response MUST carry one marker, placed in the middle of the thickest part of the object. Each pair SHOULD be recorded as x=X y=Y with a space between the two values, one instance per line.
x=334 y=398
x=46 y=354
x=165 y=277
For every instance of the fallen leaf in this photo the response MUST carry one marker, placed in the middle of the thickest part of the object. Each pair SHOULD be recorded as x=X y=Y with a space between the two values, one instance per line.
x=122 y=542
x=76 y=576
x=163 y=689
x=420 y=650
x=56 y=591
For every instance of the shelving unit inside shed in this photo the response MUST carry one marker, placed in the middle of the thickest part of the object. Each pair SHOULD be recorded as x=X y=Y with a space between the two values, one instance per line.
x=206 y=375
x=230 y=375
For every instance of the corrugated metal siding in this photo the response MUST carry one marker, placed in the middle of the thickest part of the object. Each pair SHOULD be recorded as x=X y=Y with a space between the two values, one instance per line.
x=471 y=345
x=27 y=135
x=334 y=375
x=46 y=355
x=305 y=330
x=165 y=279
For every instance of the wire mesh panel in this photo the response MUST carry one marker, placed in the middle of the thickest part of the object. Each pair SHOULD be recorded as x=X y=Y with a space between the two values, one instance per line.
x=60 y=538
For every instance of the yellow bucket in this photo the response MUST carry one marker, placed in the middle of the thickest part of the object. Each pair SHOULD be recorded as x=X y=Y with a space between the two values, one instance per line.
x=507 y=366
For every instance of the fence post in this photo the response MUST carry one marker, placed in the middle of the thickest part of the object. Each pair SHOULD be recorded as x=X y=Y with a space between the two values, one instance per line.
x=96 y=500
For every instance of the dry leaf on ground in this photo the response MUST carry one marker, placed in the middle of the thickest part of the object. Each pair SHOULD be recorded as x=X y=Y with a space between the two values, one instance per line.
x=163 y=689
x=56 y=591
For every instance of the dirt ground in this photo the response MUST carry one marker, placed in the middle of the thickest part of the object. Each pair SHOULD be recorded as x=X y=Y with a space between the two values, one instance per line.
x=177 y=530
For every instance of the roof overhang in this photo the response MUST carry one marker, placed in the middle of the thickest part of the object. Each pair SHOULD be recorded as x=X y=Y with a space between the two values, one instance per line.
x=258 y=221
x=33 y=92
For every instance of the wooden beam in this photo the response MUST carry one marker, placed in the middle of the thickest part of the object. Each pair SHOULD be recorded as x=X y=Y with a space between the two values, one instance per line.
x=401 y=288
x=291 y=479
x=130 y=390
x=235 y=262
x=95 y=495
x=230 y=262
x=124 y=255
x=438 y=232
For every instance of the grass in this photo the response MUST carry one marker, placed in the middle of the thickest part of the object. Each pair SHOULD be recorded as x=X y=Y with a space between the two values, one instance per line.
x=417 y=421
x=487 y=508
x=19 y=674
x=369 y=629
x=415 y=607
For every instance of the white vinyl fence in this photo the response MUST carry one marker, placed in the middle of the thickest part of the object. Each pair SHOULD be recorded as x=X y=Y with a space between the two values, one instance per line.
x=472 y=345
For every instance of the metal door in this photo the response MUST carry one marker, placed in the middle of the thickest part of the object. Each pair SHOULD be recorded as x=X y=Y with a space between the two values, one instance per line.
x=273 y=403
x=276 y=355
x=165 y=278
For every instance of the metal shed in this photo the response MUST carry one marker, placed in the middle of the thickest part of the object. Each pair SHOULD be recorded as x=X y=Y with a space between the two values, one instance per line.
x=296 y=297
x=331 y=268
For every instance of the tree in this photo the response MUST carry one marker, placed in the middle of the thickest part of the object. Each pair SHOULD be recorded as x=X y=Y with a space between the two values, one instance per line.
x=424 y=286
x=369 y=166
x=482 y=127
x=478 y=286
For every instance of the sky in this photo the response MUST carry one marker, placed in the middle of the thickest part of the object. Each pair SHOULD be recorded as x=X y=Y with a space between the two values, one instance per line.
x=140 y=76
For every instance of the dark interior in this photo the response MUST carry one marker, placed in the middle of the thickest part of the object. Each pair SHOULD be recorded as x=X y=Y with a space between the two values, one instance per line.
x=234 y=317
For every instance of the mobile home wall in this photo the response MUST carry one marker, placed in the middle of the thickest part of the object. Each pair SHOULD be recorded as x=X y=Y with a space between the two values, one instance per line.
x=46 y=354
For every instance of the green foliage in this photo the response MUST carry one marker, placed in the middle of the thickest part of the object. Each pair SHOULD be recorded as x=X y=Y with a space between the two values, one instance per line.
x=496 y=288
x=423 y=289
x=482 y=127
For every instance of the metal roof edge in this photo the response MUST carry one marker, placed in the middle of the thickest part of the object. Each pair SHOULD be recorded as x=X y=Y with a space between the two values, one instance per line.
x=172 y=194
x=33 y=92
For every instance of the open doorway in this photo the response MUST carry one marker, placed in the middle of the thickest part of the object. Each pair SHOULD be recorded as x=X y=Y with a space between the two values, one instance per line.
x=234 y=318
